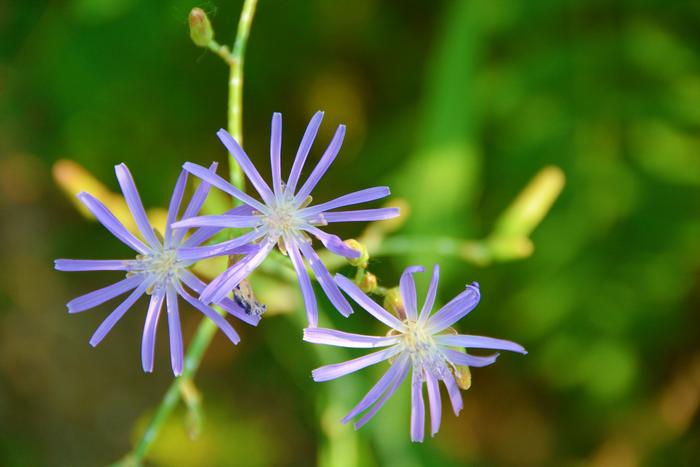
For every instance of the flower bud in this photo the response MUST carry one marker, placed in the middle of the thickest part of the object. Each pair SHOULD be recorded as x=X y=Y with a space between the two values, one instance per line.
x=394 y=303
x=369 y=282
x=201 y=31
x=362 y=260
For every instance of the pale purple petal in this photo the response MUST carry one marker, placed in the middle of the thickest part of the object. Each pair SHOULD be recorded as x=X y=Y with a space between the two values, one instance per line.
x=454 y=393
x=223 y=185
x=174 y=207
x=98 y=297
x=479 y=342
x=275 y=152
x=329 y=372
x=117 y=314
x=203 y=234
x=196 y=203
x=324 y=278
x=408 y=292
x=223 y=221
x=435 y=403
x=361 y=215
x=93 y=264
x=148 y=342
x=223 y=248
x=368 y=304
x=430 y=297
x=332 y=243
x=307 y=291
x=389 y=392
x=346 y=339
x=303 y=151
x=417 y=409
x=459 y=358
x=378 y=389
x=455 y=310
x=133 y=200
x=246 y=165
x=224 y=284
x=175 y=331
x=111 y=223
x=357 y=197
x=226 y=304
x=322 y=166
x=219 y=320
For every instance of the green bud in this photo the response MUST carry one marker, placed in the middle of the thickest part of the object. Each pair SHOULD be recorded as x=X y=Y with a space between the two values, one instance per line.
x=201 y=31
x=368 y=283
x=362 y=260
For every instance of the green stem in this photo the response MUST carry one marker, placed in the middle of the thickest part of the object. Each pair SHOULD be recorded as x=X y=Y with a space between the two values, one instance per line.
x=235 y=86
x=207 y=329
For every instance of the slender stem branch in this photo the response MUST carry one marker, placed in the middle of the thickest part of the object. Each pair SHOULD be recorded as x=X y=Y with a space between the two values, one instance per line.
x=235 y=86
x=207 y=329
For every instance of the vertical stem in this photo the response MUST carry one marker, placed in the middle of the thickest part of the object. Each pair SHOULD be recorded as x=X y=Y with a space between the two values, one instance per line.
x=235 y=86
x=207 y=329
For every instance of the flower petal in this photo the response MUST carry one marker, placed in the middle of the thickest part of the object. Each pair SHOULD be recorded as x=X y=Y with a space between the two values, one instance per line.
x=357 y=197
x=379 y=388
x=223 y=248
x=417 y=409
x=303 y=151
x=275 y=152
x=455 y=310
x=435 y=403
x=368 y=304
x=454 y=393
x=133 y=200
x=324 y=278
x=203 y=234
x=223 y=185
x=389 y=392
x=459 y=358
x=430 y=297
x=195 y=204
x=361 y=215
x=148 y=342
x=224 y=221
x=98 y=297
x=479 y=342
x=333 y=243
x=224 y=284
x=219 y=320
x=322 y=166
x=329 y=372
x=307 y=290
x=175 y=332
x=111 y=223
x=246 y=165
x=174 y=208
x=346 y=339
x=117 y=314
x=408 y=291
x=226 y=304
x=93 y=264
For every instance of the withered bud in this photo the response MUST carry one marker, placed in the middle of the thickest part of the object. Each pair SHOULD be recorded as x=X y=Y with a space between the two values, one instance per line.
x=201 y=31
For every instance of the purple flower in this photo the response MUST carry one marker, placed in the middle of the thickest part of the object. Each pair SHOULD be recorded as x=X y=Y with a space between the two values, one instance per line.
x=284 y=217
x=158 y=269
x=421 y=342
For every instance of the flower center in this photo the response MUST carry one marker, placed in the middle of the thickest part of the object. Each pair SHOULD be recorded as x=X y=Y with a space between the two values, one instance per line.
x=282 y=220
x=424 y=352
x=161 y=266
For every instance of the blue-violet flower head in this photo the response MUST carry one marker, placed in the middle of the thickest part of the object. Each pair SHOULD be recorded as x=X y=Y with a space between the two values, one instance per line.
x=284 y=217
x=421 y=342
x=158 y=269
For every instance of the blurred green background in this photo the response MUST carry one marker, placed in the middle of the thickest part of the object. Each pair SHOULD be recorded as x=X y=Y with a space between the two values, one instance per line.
x=456 y=105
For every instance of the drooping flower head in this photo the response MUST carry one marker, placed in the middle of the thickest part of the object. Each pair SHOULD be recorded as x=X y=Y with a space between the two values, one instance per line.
x=158 y=269
x=423 y=343
x=284 y=217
